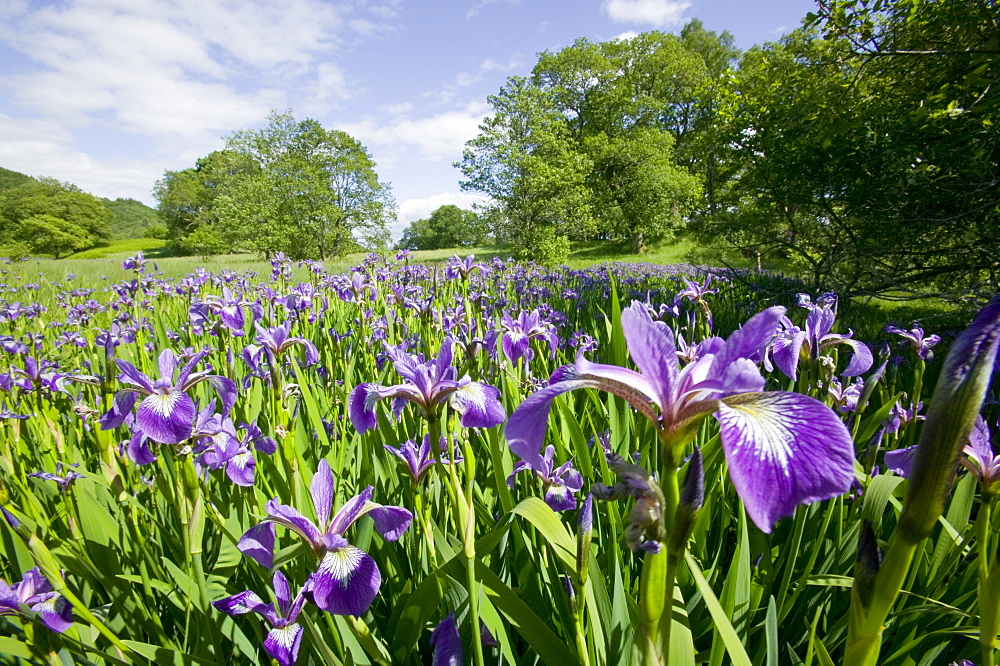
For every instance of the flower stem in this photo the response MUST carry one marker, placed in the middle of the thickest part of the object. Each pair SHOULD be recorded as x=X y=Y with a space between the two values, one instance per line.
x=989 y=600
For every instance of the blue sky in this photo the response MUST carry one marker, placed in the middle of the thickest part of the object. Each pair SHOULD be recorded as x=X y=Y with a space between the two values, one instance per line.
x=107 y=94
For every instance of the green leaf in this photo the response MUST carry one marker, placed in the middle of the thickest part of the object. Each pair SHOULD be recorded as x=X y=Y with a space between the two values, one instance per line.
x=161 y=655
x=545 y=642
x=547 y=522
x=771 y=631
x=682 y=651
x=14 y=648
x=876 y=497
x=730 y=639
x=872 y=423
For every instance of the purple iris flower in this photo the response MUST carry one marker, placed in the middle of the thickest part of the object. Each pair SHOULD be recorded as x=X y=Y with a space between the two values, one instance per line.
x=430 y=384
x=458 y=267
x=782 y=449
x=277 y=340
x=519 y=332
x=34 y=593
x=220 y=447
x=845 y=398
x=900 y=417
x=447 y=643
x=977 y=456
x=980 y=458
x=229 y=309
x=418 y=460
x=560 y=483
x=138 y=263
x=794 y=343
x=38 y=375
x=917 y=340
x=63 y=481
x=697 y=291
x=285 y=636
x=166 y=413
x=347 y=579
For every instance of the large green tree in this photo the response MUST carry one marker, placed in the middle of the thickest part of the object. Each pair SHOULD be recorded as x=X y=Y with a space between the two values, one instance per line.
x=291 y=186
x=588 y=144
x=875 y=171
x=526 y=159
x=43 y=213
x=318 y=188
x=187 y=200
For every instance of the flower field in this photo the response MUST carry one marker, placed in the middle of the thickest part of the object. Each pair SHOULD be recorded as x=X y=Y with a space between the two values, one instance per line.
x=487 y=463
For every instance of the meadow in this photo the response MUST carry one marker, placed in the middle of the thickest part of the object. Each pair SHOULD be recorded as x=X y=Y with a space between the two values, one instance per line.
x=431 y=459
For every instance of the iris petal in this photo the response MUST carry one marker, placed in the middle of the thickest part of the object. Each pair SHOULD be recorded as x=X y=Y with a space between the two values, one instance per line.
x=282 y=644
x=784 y=449
x=258 y=544
x=166 y=418
x=654 y=352
x=321 y=490
x=346 y=582
x=479 y=405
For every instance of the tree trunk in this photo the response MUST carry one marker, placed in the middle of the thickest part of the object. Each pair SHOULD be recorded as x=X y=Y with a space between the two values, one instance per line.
x=638 y=244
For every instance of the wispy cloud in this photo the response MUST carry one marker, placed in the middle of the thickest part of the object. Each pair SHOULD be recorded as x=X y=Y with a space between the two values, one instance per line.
x=659 y=13
x=178 y=66
x=44 y=148
x=477 y=8
x=437 y=138
x=453 y=90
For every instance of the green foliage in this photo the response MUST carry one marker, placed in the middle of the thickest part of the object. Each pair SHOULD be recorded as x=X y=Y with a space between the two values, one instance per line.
x=157 y=231
x=586 y=145
x=205 y=241
x=9 y=179
x=545 y=247
x=291 y=187
x=317 y=187
x=56 y=216
x=869 y=155
x=131 y=218
x=448 y=226
x=48 y=234
x=186 y=199
x=525 y=159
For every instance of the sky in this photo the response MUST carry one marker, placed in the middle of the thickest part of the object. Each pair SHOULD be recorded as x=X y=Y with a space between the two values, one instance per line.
x=108 y=94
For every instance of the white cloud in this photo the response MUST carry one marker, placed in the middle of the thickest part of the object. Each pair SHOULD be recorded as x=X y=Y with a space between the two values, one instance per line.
x=169 y=67
x=437 y=138
x=42 y=148
x=478 y=7
x=660 y=13
x=449 y=92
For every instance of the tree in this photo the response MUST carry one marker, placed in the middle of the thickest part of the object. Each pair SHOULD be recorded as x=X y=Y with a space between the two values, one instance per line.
x=526 y=160
x=291 y=187
x=9 y=179
x=54 y=209
x=644 y=193
x=319 y=189
x=875 y=173
x=448 y=226
x=587 y=144
x=48 y=234
x=187 y=198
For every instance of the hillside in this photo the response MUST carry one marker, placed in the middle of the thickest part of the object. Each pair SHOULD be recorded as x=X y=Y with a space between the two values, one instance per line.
x=131 y=218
